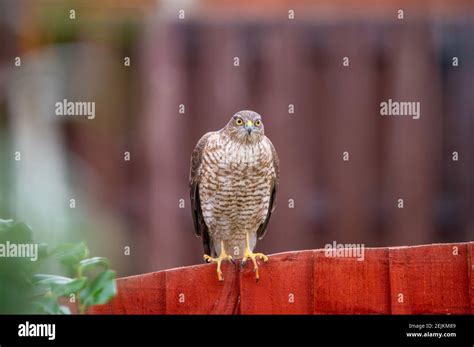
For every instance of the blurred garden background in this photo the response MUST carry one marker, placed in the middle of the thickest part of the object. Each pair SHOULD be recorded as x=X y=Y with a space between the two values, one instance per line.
x=162 y=73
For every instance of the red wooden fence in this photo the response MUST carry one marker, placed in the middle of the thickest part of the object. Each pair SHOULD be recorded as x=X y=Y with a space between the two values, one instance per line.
x=428 y=279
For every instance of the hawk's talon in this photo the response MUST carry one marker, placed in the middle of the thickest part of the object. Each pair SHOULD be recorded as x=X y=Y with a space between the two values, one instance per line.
x=248 y=254
x=222 y=257
x=253 y=257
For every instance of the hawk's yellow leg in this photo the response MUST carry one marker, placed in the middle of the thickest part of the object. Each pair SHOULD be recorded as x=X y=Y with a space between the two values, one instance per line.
x=218 y=260
x=248 y=254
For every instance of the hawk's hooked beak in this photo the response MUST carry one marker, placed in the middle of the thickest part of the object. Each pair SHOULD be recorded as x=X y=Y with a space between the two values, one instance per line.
x=249 y=126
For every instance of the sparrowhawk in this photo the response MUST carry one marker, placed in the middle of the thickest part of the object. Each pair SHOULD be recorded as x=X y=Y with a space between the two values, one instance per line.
x=233 y=184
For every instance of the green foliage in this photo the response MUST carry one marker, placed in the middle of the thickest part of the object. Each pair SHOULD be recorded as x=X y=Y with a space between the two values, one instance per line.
x=91 y=281
x=70 y=254
x=15 y=272
x=100 y=290
x=92 y=284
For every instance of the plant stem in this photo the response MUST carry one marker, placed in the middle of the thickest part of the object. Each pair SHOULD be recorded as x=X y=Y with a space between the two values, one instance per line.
x=81 y=308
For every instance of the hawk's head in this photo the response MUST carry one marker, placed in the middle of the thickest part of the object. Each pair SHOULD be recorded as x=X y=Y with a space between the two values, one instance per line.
x=246 y=126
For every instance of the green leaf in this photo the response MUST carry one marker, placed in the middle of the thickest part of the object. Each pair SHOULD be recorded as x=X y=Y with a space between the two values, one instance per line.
x=50 y=279
x=43 y=284
x=6 y=224
x=15 y=272
x=70 y=254
x=101 y=290
x=92 y=263
x=50 y=305
x=15 y=232
x=74 y=286
x=47 y=304
x=40 y=290
x=59 y=285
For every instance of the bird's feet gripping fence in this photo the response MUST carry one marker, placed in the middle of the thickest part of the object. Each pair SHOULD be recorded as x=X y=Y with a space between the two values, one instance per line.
x=248 y=254
x=223 y=256
x=253 y=256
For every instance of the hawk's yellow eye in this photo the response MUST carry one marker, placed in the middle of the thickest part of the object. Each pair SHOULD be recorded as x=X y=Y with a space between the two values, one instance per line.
x=258 y=123
x=239 y=121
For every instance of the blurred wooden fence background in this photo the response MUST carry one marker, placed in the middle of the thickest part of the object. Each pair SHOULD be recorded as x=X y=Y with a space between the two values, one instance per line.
x=336 y=110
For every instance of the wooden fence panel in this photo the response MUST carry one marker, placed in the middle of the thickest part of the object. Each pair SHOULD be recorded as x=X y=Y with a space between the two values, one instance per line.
x=142 y=294
x=429 y=279
x=285 y=285
x=350 y=286
x=196 y=290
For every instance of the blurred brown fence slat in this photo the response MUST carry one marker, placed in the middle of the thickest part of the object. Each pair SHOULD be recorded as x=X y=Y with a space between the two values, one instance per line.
x=413 y=146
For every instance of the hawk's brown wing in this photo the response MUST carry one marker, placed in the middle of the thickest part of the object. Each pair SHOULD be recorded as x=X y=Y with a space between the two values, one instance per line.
x=200 y=227
x=262 y=229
